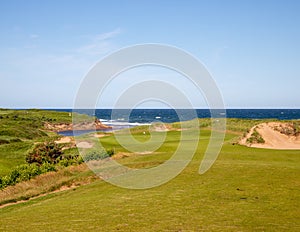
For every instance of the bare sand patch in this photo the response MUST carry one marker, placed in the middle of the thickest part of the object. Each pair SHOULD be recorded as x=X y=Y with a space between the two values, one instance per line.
x=273 y=137
x=84 y=144
x=63 y=140
x=121 y=155
x=101 y=135
x=160 y=128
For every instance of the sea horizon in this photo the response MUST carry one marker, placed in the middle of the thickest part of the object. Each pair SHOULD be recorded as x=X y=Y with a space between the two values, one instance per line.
x=148 y=115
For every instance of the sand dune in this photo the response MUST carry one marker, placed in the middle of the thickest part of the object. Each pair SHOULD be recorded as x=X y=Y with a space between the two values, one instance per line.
x=273 y=137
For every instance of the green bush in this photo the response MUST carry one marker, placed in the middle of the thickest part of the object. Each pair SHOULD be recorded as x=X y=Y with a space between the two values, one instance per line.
x=46 y=167
x=48 y=152
x=25 y=172
x=296 y=128
x=42 y=159
x=94 y=155
x=98 y=155
x=70 y=160
x=255 y=138
x=110 y=152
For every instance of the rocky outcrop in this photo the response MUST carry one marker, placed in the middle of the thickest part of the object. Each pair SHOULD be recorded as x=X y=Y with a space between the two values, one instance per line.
x=96 y=125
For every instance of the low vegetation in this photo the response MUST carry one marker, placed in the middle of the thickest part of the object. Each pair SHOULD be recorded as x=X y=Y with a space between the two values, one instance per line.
x=98 y=155
x=255 y=137
x=290 y=129
x=52 y=153
x=63 y=178
x=25 y=172
x=44 y=157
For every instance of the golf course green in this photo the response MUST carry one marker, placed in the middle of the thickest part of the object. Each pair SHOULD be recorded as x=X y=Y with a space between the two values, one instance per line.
x=247 y=189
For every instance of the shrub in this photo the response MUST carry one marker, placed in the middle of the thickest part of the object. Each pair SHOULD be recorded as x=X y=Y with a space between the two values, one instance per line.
x=25 y=172
x=46 y=167
x=255 y=138
x=98 y=155
x=3 y=182
x=94 y=155
x=110 y=152
x=48 y=152
x=296 y=128
x=71 y=160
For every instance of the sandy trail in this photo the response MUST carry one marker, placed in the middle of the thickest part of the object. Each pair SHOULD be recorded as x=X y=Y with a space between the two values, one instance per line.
x=273 y=138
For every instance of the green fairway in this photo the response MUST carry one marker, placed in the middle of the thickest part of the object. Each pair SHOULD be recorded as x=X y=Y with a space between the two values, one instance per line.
x=247 y=189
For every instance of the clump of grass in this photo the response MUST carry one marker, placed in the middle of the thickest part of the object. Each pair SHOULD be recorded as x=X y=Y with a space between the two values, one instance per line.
x=255 y=138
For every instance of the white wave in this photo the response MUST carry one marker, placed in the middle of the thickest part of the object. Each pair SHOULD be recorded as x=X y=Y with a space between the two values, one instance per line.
x=124 y=124
x=103 y=120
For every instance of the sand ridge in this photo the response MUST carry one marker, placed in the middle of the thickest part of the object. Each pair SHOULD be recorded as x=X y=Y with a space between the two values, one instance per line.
x=274 y=139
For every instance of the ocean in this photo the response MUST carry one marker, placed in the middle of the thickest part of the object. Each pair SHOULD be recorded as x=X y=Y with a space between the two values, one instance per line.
x=144 y=116
x=122 y=118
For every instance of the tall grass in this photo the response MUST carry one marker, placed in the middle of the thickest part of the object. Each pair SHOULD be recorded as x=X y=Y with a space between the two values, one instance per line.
x=48 y=182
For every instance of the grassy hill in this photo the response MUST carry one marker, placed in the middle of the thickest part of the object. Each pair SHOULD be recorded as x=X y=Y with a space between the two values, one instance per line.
x=20 y=129
x=247 y=189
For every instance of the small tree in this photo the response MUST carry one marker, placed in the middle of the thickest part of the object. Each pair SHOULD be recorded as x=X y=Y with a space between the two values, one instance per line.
x=45 y=153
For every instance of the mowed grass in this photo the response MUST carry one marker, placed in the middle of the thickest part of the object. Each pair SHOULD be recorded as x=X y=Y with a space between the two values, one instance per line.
x=12 y=155
x=247 y=189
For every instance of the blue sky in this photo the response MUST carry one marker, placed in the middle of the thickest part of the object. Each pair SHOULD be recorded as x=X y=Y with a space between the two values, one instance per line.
x=251 y=48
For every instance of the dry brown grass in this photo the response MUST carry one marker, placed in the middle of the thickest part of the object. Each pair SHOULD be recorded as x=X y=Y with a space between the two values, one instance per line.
x=63 y=179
